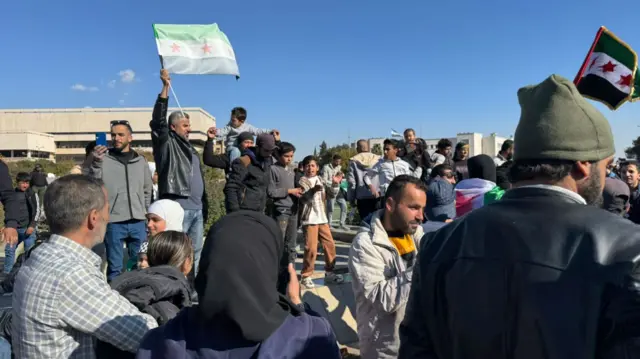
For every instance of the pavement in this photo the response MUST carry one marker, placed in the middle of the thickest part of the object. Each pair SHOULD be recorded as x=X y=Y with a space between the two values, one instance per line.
x=335 y=302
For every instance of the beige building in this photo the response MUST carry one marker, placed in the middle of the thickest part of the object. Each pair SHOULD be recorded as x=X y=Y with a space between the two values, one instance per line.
x=72 y=129
x=21 y=145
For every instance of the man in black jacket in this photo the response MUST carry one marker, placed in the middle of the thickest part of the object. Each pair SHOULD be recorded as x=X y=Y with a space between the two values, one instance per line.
x=543 y=273
x=249 y=177
x=180 y=175
x=9 y=202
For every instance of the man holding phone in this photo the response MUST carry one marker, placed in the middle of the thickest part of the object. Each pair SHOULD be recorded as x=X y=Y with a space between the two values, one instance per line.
x=127 y=178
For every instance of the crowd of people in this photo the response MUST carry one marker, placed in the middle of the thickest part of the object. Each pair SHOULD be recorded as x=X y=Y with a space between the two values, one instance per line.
x=530 y=254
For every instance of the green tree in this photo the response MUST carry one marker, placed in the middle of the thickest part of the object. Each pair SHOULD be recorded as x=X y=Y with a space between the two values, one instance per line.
x=315 y=152
x=323 y=149
x=377 y=149
x=634 y=150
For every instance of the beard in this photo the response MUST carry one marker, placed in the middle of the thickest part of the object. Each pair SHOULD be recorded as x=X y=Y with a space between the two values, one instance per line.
x=591 y=191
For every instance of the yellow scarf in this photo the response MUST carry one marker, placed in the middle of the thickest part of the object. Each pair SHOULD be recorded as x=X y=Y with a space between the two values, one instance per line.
x=404 y=245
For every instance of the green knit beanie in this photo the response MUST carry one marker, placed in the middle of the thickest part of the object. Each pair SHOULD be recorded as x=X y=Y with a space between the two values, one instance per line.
x=556 y=122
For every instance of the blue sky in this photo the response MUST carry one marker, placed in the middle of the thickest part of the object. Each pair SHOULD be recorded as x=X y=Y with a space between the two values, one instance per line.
x=316 y=70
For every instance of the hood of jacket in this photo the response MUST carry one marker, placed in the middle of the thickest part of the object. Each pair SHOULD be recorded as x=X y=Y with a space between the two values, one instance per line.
x=366 y=159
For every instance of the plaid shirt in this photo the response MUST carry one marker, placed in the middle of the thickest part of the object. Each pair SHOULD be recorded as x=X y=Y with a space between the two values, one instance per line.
x=62 y=304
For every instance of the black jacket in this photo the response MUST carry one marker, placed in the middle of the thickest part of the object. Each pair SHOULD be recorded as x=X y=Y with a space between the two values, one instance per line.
x=160 y=291
x=8 y=197
x=210 y=159
x=247 y=185
x=38 y=179
x=173 y=156
x=28 y=208
x=535 y=275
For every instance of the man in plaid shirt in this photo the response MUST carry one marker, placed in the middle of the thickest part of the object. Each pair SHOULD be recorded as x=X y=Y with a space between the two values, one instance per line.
x=61 y=301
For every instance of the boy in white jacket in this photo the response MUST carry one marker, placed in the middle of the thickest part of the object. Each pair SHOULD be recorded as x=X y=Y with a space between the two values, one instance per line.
x=389 y=168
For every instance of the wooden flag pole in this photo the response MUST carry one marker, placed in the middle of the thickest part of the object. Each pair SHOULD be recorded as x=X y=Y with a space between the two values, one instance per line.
x=586 y=59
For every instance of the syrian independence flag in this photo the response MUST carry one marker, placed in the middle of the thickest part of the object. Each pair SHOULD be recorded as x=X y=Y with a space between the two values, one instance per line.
x=608 y=72
x=195 y=50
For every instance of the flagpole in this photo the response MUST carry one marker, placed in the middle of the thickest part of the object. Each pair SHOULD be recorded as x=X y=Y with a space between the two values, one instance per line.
x=171 y=88
x=586 y=59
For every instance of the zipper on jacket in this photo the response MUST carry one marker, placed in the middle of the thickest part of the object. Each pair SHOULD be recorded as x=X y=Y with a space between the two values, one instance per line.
x=126 y=176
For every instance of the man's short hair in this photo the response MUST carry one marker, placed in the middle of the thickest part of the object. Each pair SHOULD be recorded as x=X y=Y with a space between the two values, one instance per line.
x=444 y=143
x=362 y=143
x=309 y=159
x=440 y=170
x=548 y=170
x=391 y=142
x=23 y=177
x=506 y=145
x=240 y=113
x=285 y=147
x=397 y=186
x=336 y=157
x=409 y=130
x=176 y=116
x=69 y=200
x=629 y=162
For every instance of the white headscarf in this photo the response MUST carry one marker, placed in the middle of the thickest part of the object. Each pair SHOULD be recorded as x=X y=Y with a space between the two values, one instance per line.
x=170 y=211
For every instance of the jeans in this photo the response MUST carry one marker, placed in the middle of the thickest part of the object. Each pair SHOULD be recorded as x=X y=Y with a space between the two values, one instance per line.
x=5 y=348
x=233 y=152
x=193 y=226
x=10 y=251
x=342 y=203
x=133 y=232
x=289 y=226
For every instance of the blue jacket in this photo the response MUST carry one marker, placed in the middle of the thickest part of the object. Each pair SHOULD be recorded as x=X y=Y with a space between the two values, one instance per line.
x=304 y=336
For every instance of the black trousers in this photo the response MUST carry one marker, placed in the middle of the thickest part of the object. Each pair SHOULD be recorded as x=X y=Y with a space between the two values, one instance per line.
x=288 y=224
x=366 y=206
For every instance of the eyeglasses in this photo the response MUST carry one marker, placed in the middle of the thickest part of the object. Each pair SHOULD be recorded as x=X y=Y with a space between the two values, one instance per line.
x=121 y=122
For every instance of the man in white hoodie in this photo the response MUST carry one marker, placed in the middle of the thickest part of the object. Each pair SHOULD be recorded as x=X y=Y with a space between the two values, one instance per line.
x=358 y=192
x=389 y=168
x=381 y=262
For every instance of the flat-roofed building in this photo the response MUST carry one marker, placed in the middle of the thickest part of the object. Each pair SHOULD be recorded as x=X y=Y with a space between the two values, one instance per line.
x=21 y=145
x=74 y=128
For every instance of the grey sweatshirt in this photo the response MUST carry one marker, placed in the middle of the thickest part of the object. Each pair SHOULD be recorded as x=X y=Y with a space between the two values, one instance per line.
x=129 y=187
x=230 y=134
x=281 y=181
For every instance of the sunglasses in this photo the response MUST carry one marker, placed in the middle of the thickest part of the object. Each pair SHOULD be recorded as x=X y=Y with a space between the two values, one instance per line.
x=121 y=122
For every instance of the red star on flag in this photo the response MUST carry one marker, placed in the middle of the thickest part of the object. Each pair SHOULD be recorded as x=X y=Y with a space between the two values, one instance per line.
x=206 y=49
x=175 y=48
x=625 y=80
x=608 y=67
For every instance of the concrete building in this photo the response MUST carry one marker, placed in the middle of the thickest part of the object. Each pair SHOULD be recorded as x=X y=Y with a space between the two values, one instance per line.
x=22 y=145
x=491 y=144
x=73 y=128
x=478 y=144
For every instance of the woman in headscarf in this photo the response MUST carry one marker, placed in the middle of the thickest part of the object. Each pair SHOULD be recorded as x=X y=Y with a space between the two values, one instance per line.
x=241 y=315
x=460 y=157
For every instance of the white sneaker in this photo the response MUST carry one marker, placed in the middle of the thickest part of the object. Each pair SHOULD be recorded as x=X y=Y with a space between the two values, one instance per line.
x=331 y=277
x=307 y=283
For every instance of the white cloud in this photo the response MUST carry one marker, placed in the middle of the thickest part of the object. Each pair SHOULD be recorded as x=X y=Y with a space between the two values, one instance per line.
x=127 y=75
x=121 y=102
x=111 y=84
x=83 y=88
x=125 y=94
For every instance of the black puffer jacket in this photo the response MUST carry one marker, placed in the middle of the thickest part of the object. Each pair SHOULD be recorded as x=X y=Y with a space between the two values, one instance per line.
x=247 y=184
x=160 y=291
x=537 y=274
x=173 y=156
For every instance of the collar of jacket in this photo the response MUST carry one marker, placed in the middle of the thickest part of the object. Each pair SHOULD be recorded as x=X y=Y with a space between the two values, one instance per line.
x=136 y=156
x=541 y=192
x=379 y=235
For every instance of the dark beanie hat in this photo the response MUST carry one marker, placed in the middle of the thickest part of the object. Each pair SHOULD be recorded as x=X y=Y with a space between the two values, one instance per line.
x=556 y=122
x=483 y=167
x=244 y=136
